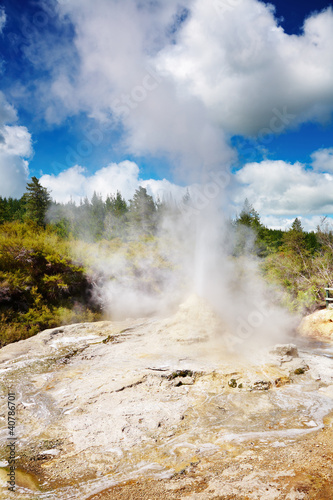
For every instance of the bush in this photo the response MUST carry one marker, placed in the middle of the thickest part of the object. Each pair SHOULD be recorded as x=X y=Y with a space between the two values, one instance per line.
x=39 y=282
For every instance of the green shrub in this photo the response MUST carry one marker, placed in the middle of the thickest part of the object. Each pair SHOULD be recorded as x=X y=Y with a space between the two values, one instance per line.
x=40 y=285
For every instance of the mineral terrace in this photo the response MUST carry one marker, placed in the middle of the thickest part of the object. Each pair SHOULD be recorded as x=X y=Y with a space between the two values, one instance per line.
x=157 y=408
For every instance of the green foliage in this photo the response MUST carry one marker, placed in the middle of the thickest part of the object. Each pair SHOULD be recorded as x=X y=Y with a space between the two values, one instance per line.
x=116 y=220
x=116 y=205
x=300 y=263
x=37 y=200
x=38 y=280
x=96 y=220
x=301 y=274
x=249 y=216
x=252 y=237
x=41 y=287
x=97 y=214
x=142 y=212
x=294 y=239
x=247 y=227
x=297 y=226
x=312 y=242
x=268 y=241
x=11 y=209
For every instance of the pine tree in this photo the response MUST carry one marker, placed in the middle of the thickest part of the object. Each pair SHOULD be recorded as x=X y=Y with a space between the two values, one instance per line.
x=116 y=216
x=116 y=205
x=297 y=225
x=294 y=239
x=97 y=215
x=249 y=216
x=37 y=200
x=142 y=211
x=11 y=209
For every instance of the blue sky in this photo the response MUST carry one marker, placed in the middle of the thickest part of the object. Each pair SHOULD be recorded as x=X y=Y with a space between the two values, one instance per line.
x=165 y=89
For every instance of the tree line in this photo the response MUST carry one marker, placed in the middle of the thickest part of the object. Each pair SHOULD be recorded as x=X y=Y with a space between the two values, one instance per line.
x=298 y=261
x=41 y=286
x=90 y=220
x=114 y=217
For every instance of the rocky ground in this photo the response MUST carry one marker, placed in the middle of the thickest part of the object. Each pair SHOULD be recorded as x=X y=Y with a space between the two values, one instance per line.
x=158 y=408
x=302 y=469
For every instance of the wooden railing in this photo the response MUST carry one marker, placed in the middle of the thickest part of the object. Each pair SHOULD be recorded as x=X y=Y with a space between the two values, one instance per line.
x=328 y=299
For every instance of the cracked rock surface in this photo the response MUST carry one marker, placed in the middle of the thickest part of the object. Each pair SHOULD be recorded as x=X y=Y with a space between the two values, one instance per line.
x=159 y=401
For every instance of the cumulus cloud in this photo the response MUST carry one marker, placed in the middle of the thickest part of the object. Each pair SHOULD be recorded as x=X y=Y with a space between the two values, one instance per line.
x=2 y=18
x=278 y=188
x=248 y=71
x=308 y=223
x=178 y=78
x=115 y=80
x=322 y=160
x=15 y=149
x=16 y=140
x=76 y=183
x=13 y=175
x=279 y=191
x=217 y=65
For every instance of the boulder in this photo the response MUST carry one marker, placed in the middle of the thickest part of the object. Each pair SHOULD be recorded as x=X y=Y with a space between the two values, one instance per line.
x=318 y=325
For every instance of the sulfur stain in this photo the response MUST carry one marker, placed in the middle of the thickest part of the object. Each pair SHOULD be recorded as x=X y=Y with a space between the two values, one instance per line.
x=22 y=479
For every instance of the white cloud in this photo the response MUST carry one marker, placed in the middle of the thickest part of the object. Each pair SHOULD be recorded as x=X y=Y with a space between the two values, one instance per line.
x=15 y=148
x=7 y=111
x=16 y=140
x=238 y=63
x=322 y=160
x=75 y=183
x=277 y=188
x=230 y=69
x=2 y=19
x=112 y=78
x=246 y=69
x=284 y=223
x=13 y=175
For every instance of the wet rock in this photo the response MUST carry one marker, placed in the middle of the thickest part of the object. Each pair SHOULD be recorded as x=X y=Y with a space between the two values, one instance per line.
x=297 y=366
x=280 y=381
x=262 y=385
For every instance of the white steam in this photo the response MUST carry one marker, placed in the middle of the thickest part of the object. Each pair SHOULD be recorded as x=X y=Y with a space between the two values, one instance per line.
x=179 y=78
x=173 y=72
x=192 y=256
